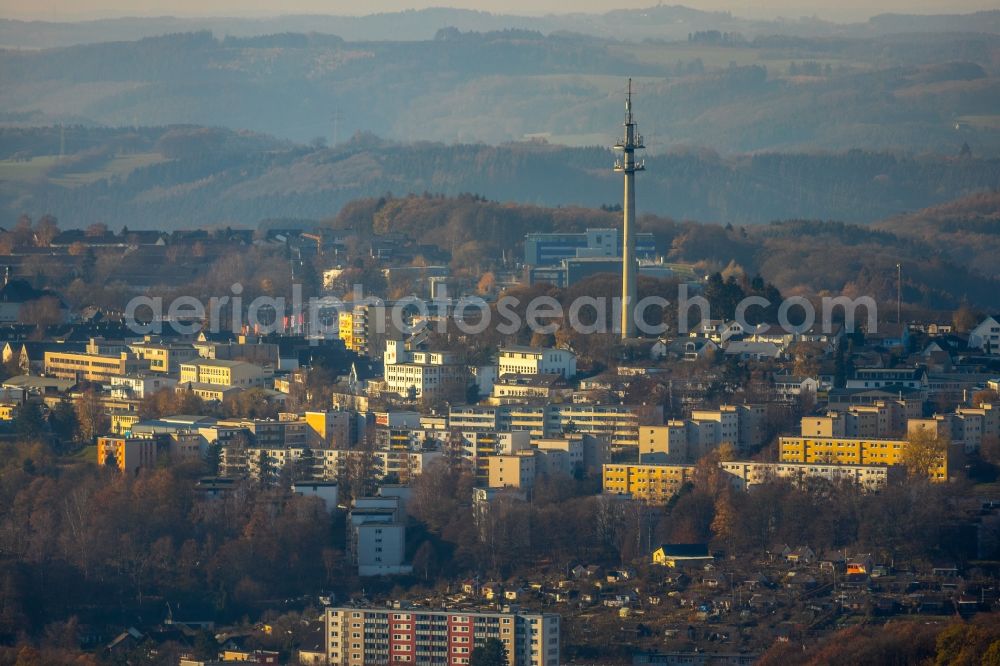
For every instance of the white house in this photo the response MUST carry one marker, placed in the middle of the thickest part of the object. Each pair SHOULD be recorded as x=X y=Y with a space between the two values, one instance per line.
x=790 y=387
x=139 y=387
x=986 y=336
x=536 y=361
x=718 y=330
x=685 y=349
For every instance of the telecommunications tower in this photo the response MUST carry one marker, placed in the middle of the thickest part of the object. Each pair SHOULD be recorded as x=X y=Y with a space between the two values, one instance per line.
x=627 y=165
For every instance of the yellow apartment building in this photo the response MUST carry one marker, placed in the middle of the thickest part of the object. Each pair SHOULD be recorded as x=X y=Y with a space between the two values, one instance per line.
x=849 y=451
x=650 y=483
x=129 y=454
x=513 y=471
x=80 y=366
x=238 y=374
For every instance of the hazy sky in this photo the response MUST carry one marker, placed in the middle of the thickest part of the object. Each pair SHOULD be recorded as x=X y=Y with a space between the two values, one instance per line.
x=67 y=10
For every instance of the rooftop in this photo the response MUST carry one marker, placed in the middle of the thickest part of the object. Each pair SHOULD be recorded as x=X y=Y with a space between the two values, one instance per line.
x=219 y=363
x=524 y=349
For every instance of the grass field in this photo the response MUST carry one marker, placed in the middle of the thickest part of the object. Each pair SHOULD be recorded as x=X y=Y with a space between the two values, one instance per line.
x=26 y=171
x=36 y=169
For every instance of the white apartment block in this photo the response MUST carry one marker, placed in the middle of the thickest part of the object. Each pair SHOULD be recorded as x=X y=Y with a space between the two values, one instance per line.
x=376 y=536
x=963 y=429
x=563 y=456
x=990 y=418
x=327 y=491
x=687 y=440
x=326 y=464
x=478 y=417
x=746 y=474
x=618 y=425
x=421 y=374
x=881 y=420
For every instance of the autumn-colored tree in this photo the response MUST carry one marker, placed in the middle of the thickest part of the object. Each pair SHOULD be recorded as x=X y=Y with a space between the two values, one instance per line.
x=22 y=233
x=984 y=397
x=992 y=655
x=727 y=452
x=964 y=319
x=425 y=559
x=42 y=312
x=439 y=492
x=542 y=340
x=487 y=283
x=361 y=472
x=96 y=230
x=690 y=519
x=725 y=523
x=807 y=358
x=961 y=644
x=46 y=229
x=989 y=449
x=91 y=417
x=924 y=452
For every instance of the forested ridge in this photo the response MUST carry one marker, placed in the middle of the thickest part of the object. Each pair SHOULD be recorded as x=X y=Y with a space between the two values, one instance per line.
x=917 y=93
x=661 y=21
x=806 y=257
x=182 y=177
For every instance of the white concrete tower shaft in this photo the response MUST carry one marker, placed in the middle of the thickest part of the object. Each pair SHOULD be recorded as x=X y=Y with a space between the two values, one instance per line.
x=628 y=166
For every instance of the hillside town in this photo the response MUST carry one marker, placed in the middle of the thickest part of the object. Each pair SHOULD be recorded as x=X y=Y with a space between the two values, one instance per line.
x=385 y=427
x=536 y=408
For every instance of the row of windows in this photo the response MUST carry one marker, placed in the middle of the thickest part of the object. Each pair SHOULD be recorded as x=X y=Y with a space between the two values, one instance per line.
x=88 y=363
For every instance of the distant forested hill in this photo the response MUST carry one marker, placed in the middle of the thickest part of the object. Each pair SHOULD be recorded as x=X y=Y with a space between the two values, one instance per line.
x=191 y=176
x=915 y=92
x=806 y=257
x=663 y=21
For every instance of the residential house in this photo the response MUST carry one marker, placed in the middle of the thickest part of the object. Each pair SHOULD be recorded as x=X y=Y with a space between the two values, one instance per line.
x=986 y=336
x=683 y=349
x=801 y=555
x=536 y=361
x=753 y=351
x=678 y=555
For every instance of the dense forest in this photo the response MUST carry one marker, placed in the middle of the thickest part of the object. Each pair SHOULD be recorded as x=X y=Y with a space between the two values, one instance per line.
x=956 y=642
x=183 y=177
